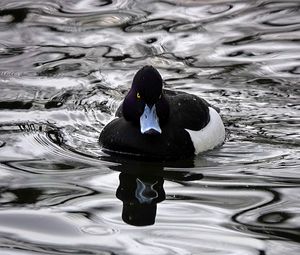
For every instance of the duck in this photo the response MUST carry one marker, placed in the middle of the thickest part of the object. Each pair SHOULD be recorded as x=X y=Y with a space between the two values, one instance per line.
x=157 y=123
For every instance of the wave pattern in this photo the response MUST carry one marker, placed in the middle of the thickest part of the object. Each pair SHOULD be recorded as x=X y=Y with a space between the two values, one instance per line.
x=65 y=67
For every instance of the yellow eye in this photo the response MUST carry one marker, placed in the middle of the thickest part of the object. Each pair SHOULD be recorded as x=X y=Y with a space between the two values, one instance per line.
x=138 y=96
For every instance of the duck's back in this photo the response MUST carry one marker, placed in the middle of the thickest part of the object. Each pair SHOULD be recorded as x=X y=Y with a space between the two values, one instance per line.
x=187 y=111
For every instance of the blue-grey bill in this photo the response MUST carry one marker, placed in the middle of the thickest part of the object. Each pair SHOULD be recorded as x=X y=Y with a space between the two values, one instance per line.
x=149 y=120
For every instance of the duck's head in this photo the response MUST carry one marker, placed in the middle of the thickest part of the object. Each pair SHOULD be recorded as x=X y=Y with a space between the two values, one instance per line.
x=145 y=104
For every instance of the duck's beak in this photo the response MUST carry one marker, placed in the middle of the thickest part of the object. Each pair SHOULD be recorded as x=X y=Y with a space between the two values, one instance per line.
x=149 y=121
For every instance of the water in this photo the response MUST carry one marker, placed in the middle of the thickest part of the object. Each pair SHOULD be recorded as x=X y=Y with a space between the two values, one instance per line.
x=65 y=67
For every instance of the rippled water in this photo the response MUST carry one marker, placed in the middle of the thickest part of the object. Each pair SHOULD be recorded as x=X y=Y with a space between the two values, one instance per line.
x=65 y=67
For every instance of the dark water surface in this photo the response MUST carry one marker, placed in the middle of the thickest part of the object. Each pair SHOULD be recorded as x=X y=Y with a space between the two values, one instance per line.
x=65 y=66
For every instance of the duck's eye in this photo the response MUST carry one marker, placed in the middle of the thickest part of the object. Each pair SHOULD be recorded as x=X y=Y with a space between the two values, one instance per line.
x=138 y=96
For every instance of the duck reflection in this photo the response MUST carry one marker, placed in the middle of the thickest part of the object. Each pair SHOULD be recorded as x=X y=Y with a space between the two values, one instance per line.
x=141 y=187
x=140 y=196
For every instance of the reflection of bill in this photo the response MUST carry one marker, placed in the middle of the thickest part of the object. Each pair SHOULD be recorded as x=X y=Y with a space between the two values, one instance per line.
x=141 y=185
x=140 y=195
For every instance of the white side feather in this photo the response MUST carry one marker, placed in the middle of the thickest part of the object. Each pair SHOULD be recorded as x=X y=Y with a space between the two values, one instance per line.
x=212 y=135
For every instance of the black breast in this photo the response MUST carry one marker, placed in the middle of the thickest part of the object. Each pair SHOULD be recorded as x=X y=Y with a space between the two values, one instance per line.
x=186 y=112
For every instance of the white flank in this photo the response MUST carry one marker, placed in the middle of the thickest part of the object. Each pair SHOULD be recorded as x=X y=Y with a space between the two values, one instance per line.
x=212 y=135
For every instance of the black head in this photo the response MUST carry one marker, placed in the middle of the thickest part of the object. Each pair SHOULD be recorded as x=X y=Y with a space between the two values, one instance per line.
x=148 y=83
x=146 y=89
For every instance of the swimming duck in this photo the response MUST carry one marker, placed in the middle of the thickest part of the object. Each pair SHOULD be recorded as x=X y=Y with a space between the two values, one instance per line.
x=156 y=123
